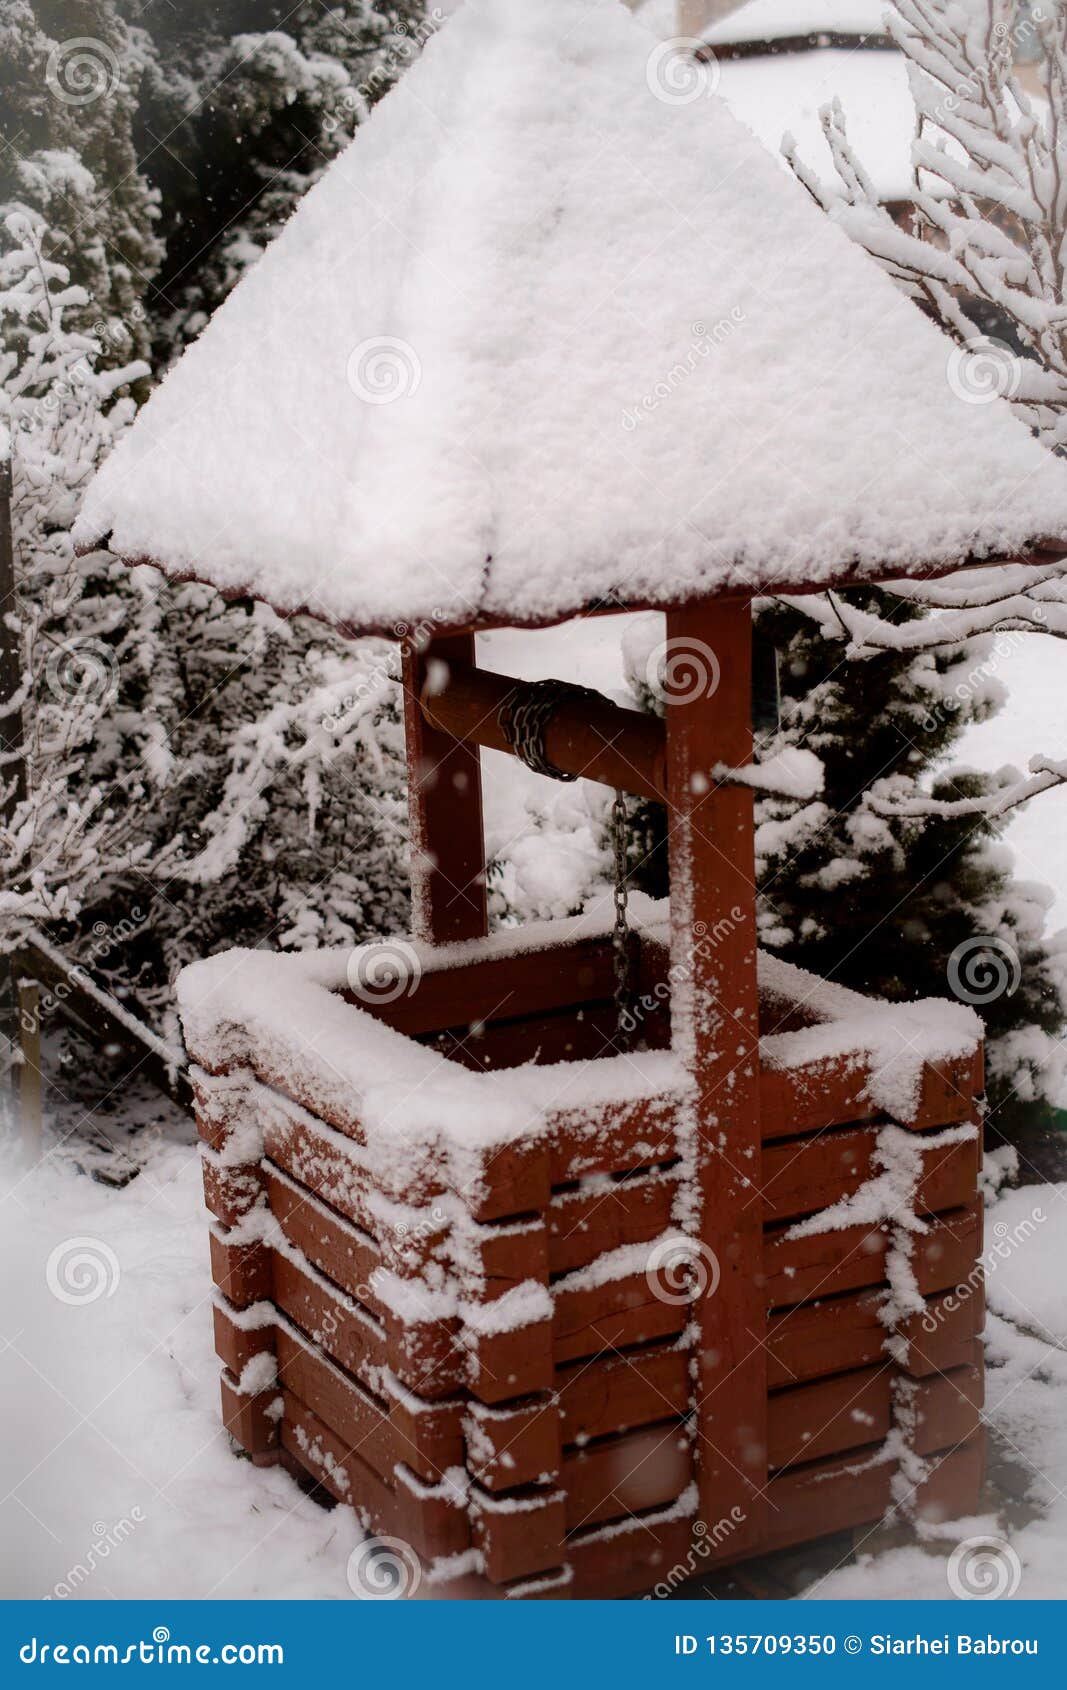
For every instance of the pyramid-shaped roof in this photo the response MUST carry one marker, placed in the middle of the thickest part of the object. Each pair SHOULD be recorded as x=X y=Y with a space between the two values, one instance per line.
x=556 y=330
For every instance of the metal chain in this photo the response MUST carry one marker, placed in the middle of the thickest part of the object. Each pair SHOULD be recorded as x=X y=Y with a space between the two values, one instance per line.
x=621 y=934
x=524 y=717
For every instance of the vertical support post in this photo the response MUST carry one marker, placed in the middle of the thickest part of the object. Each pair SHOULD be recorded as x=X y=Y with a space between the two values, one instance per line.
x=716 y=1028
x=445 y=798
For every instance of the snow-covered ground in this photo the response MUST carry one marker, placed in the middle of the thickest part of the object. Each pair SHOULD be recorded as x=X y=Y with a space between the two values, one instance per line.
x=116 y=1477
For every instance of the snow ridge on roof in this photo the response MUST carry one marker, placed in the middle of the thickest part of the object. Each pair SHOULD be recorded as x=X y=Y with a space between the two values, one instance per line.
x=776 y=20
x=556 y=328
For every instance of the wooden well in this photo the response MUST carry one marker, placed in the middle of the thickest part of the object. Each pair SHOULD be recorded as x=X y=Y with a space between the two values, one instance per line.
x=553 y=1313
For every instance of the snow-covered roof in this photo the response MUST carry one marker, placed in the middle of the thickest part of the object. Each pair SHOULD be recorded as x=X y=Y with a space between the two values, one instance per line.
x=779 y=20
x=777 y=87
x=556 y=329
x=783 y=93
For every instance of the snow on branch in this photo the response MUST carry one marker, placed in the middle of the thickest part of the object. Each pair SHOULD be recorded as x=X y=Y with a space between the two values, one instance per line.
x=1045 y=772
x=791 y=772
x=983 y=247
x=989 y=195
x=954 y=618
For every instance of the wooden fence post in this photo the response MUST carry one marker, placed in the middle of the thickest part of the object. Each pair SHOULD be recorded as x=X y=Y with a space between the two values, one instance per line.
x=715 y=1008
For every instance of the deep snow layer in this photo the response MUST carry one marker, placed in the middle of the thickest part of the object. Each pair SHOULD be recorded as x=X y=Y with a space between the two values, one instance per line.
x=116 y=1477
x=557 y=327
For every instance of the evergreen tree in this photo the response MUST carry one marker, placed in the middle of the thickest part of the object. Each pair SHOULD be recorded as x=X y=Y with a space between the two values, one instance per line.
x=62 y=831
x=70 y=79
x=257 y=762
x=243 y=105
x=896 y=907
x=909 y=907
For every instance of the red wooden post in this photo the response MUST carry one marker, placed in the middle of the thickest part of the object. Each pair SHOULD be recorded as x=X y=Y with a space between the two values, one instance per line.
x=715 y=1014
x=445 y=803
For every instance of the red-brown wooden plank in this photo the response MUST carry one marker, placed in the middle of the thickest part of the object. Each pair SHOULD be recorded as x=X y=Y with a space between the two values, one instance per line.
x=579 y=1033
x=237 y=1345
x=615 y=1138
x=618 y=1393
x=345 y=1255
x=513 y=1178
x=809 y=1502
x=801 y=1176
x=500 y=987
x=627 y=1475
x=242 y=1272
x=434 y=1525
x=851 y=1409
x=584 y=1224
x=246 y=1418
x=829 y=1496
x=612 y=1316
x=834 y=1092
x=841 y=1333
x=824 y=1264
x=515 y=1444
x=609 y=1562
x=229 y=1192
x=519 y=1537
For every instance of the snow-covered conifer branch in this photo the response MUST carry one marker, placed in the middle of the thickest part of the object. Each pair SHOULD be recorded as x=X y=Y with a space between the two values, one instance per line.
x=59 y=835
x=890 y=798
